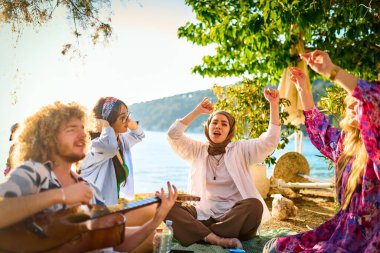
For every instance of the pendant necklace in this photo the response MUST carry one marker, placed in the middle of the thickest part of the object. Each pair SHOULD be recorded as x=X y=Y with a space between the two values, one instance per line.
x=213 y=169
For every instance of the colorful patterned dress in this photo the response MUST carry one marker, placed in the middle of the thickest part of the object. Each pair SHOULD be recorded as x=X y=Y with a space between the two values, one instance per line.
x=356 y=229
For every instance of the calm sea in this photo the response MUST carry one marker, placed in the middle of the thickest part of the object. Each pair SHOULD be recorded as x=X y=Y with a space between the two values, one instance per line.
x=155 y=163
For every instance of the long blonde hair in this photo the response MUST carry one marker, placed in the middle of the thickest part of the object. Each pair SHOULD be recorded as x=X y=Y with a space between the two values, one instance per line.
x=353 y=148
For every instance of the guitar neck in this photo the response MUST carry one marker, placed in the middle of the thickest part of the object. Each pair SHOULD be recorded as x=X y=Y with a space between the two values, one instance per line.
x=123 y=208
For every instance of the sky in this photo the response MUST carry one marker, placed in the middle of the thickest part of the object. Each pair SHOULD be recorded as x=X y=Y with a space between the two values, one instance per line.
x=144 y=60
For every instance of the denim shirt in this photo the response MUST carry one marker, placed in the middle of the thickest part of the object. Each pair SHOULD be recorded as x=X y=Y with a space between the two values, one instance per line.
x=98 y=167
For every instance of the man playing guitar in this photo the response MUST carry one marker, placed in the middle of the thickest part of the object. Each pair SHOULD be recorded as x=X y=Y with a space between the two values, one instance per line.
x=53 y=139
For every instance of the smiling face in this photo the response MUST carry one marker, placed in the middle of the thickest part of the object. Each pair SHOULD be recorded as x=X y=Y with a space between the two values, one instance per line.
x=219 y=128
x=121 y=123
x=71 y=141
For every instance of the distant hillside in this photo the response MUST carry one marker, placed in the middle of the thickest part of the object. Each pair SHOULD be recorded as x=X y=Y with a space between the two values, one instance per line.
x=159 y=114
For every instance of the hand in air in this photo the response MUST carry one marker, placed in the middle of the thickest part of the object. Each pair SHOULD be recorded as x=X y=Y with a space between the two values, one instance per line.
x=298 y=77
x=272 y=96
x=205 y=107
x=166 y=202
x=319 y=61
x=79 y=193
x=132 y=124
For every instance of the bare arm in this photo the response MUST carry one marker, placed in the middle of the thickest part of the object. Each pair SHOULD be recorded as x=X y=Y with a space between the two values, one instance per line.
x=205 y=107
x=299 y=80
x=321 y=63
x=273 y=97
x=134 y=239
x=16 y=209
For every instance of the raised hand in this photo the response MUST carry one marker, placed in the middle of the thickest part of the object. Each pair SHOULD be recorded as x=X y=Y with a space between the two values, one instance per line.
x=205 y=107
x=319 y=61
x=132 y=124
x=79 y=193
x=272 y=96
x=298 y=77
x=166 y=202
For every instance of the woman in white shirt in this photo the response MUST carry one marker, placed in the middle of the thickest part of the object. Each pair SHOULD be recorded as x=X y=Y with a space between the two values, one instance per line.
x=231 y=208
x=109 y=163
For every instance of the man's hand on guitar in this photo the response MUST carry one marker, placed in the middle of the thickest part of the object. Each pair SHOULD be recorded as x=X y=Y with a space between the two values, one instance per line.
x=166 y=202
x=78 y=193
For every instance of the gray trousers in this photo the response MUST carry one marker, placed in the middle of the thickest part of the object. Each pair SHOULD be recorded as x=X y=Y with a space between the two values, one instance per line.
x=240 y=222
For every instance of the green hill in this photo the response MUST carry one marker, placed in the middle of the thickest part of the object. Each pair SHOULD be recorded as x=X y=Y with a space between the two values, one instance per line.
x=159 y=114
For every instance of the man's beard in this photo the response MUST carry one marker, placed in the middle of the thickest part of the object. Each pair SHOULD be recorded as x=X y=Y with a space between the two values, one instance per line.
x=73 y=158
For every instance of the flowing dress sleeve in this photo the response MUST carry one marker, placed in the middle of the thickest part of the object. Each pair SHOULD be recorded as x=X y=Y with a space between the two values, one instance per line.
x=323 y=136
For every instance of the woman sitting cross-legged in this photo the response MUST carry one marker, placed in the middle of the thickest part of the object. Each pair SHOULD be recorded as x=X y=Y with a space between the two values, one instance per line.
x=231 y=208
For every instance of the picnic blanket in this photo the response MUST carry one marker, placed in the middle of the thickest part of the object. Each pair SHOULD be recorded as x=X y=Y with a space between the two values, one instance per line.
x=254 y=245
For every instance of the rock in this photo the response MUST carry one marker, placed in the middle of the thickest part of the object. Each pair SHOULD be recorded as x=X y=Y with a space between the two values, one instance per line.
x=282 y=208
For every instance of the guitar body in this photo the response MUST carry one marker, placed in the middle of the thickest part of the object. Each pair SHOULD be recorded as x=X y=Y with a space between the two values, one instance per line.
x=76 y=229
x=69 y=230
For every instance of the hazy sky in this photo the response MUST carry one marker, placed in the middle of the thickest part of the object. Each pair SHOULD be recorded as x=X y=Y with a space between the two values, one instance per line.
x=144 y=60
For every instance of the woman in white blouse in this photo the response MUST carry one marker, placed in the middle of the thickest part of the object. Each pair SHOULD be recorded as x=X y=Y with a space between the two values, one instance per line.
x=231 y=208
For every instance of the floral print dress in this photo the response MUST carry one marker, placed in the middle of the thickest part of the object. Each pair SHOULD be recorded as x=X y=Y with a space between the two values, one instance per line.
x=356 y=229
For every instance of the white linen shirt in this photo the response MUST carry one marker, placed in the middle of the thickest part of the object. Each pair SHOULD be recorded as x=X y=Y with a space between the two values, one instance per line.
x=98 y=168
x=238 y=158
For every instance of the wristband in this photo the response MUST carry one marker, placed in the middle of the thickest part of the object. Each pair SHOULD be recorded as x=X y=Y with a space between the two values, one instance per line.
x=63 y=196
x=333 y=73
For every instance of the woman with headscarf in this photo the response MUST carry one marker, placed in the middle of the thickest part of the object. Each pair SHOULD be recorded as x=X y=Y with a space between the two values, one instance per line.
x=108 y=164
x=231 y=208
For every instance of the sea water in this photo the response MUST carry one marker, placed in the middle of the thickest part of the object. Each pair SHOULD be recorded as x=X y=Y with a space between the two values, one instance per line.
x=155 y=162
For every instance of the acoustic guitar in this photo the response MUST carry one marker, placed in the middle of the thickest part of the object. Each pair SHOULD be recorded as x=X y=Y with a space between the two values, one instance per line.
x=76 y=229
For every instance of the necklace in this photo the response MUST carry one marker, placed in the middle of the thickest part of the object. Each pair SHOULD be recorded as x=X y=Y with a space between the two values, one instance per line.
x=213 y=168
x=218 y=160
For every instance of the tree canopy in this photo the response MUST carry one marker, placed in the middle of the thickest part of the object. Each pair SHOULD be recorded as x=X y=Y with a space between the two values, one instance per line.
x=261 y=38
x=92 y=17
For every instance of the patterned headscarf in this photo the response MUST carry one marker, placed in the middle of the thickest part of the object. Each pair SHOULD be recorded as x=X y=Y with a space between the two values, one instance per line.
x=109 y=103
x=220 y=148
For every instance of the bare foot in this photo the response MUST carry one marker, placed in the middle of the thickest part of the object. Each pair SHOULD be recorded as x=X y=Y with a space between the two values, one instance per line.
x=224 y=242
x=231 y=243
